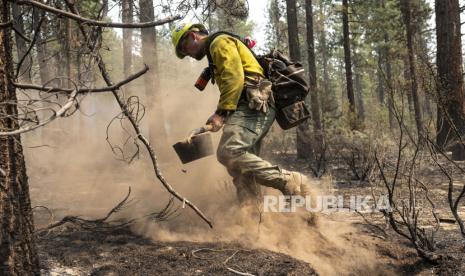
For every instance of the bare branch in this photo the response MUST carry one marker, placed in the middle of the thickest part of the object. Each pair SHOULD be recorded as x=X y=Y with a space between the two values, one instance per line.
x=84 y=90
x=21 y=35
x=54 y=116
x=88 y=21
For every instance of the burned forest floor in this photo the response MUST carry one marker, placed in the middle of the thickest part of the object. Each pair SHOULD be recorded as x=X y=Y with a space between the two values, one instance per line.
x=73 y=250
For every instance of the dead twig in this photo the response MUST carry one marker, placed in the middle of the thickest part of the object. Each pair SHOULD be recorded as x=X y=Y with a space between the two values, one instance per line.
x=225 y=262
x=91 y=22
x=51 y=218
x=54 y=116
x=233 y=270
x=369 y=223
x=83 y=90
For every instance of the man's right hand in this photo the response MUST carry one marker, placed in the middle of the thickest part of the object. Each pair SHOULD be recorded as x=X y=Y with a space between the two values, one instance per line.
x=216 y=122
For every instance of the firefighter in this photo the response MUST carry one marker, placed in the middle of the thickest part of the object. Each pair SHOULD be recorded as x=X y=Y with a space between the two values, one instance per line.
x=245 y=110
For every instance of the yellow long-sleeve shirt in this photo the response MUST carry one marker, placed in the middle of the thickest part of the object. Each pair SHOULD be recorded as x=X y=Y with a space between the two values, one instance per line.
x=231 y=58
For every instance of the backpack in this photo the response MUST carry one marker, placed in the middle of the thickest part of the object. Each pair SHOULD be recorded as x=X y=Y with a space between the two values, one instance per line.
x=289 y=84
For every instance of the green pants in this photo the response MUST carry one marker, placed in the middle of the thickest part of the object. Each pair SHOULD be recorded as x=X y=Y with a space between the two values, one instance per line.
x=239 y=150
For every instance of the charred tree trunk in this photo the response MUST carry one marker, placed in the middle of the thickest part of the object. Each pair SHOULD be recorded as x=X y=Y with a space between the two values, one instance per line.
x=348 y=63
x=450 y=72
x=407 y=15
x=18 y=255
x=315 y=99
x=21 y=47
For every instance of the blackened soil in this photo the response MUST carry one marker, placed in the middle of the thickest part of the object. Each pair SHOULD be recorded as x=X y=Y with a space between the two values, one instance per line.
x=71 y=251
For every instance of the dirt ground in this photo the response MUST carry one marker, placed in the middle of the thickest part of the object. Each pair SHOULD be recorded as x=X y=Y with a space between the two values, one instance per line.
x=357 y=249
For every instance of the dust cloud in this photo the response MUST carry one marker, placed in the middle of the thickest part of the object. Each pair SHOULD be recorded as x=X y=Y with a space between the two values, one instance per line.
x=73 y=171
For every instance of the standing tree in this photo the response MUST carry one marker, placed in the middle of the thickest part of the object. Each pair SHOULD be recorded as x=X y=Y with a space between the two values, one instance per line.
x=406 y=9
x=302 y=146
x=21 y=47
x=315 y=99
x=292 y=29
x=18 y=255
x=348 y=63
x=151 y=82
x=451 y=119
x=40 y=20
x=327 y=98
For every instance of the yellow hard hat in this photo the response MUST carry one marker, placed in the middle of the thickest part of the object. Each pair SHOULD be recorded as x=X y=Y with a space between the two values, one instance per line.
x=178 y=34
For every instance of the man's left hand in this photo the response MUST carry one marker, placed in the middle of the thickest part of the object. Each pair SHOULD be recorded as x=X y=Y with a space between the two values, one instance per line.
x=216 y=121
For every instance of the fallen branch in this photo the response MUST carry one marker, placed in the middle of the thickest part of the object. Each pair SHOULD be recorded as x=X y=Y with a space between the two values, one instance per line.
x=83 y=90
x=233 y=270
x=103 y=224
x=193 y=253
x=92 y=22
x=133 y=122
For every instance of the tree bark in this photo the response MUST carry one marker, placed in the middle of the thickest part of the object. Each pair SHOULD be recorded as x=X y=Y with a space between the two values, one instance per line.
x=348 y=63
x=407 y=15
x=450 y=73
x=18 y=254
